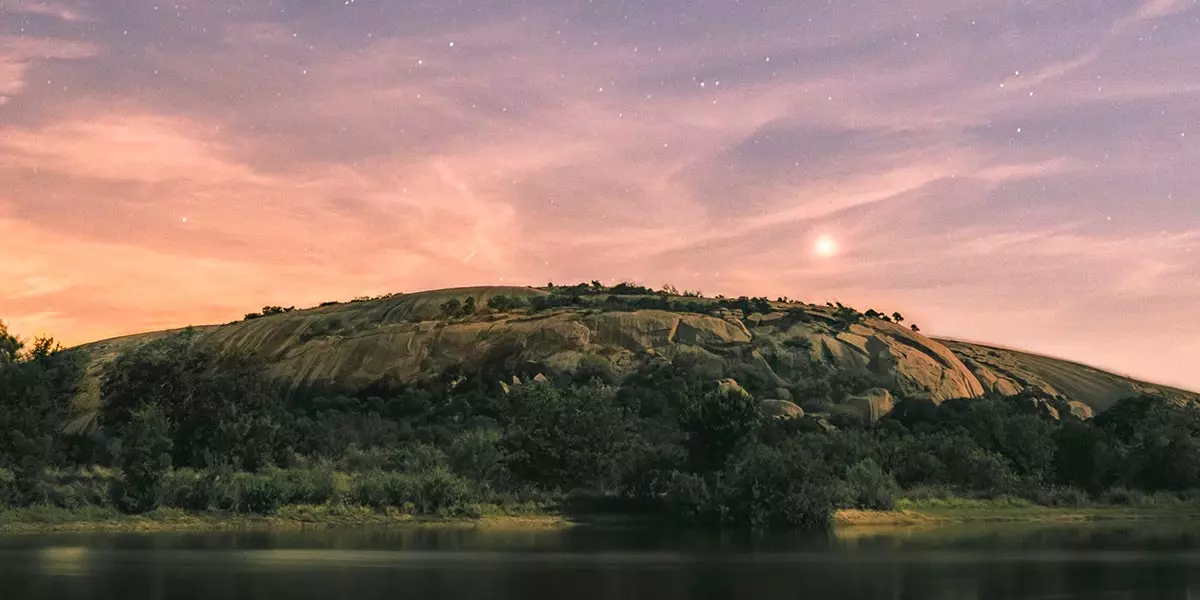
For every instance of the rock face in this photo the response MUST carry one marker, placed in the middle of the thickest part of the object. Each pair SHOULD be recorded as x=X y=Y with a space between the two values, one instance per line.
x=873 y=404
x=404 y=337
x=903 y=359
x=1008 y=372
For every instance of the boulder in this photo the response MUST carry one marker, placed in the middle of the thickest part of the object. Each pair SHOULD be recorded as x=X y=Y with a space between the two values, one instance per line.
x=781 y=409
x=1039 y=405
x=698 y=361
x=703 y=330
x=873 y=404
x=634 y=331
x=1080 y=410
x=730 y=386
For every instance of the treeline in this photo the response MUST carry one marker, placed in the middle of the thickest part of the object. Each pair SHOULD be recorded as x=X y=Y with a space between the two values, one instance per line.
x=631 y=298
x=184 y=425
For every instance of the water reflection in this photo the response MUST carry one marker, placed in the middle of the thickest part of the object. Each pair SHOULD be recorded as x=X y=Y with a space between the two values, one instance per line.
x=986 y=562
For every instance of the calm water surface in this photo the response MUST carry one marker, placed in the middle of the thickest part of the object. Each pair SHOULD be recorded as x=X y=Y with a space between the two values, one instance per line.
x=1005 y=561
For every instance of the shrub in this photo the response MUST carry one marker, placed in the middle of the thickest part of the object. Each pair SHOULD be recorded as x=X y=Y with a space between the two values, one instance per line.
x=1119 y=496
x=476 y=455
x=432 y=492
x=1070 y=497
x=776 y=487
x=504 y=303
x=595 y=367
x=380 y=489
x=9 y=494
x=440 y=491
x=688 y=497
x=870 y=487
x=184 y=489
x=260 y=493
x=316 y=485
x=80 y=488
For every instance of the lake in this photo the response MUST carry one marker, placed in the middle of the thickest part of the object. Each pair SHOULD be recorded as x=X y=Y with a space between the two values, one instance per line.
x=1131 y=560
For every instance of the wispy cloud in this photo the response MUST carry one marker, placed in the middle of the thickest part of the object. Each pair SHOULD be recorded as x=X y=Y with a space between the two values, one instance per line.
x=19 y=54
x=48 y=8
x=1147 y=11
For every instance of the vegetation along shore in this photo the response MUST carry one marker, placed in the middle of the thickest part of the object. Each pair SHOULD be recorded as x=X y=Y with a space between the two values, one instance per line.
x=559 y=405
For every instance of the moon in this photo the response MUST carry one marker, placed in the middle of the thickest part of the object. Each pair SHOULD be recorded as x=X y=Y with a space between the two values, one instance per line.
x=826 y=246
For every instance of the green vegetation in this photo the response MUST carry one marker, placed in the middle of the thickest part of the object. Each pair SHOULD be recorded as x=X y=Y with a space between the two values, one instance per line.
x=268 y=311
x=185 y=427
x=629 y=296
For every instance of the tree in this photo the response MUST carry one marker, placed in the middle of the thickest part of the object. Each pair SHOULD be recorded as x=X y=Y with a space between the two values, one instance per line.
x=1157 y=443
x=221 y=408
x=36 y=384
x=468 y=308
x=760 y=305
x=846 y=317
x=144 y=459
x=563 y=438
x=898 y=317
x=716 y=423
x=782 y=486
x=915 y=328
x=451 y=307
x=504 y=303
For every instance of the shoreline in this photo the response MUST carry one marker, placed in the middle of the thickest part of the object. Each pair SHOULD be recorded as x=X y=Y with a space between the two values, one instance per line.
x=300 y=518
x=288 y=518
x=1037 y=514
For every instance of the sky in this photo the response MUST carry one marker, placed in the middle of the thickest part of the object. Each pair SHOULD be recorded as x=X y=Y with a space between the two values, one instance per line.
x=1020 y=173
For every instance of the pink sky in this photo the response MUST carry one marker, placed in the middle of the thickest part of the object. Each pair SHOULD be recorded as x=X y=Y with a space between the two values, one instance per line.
x=1022 y=175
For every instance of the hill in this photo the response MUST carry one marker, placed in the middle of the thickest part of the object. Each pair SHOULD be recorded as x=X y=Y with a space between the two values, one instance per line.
x=720 y=411
x=767 y=347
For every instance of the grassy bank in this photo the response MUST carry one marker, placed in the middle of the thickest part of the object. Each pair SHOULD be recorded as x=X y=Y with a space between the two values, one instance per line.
x=964 y=510
x=45 y=519
x=908 y=514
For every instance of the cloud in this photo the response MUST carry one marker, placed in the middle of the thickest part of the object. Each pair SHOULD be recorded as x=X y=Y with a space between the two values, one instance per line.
x=1147 y=11
x=1157 y=9
x=140 y=148
x=126 y=182
x=19 y=54
x=47 y=8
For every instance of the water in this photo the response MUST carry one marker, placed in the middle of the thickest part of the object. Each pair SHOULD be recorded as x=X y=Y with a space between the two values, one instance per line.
x=992 y=562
